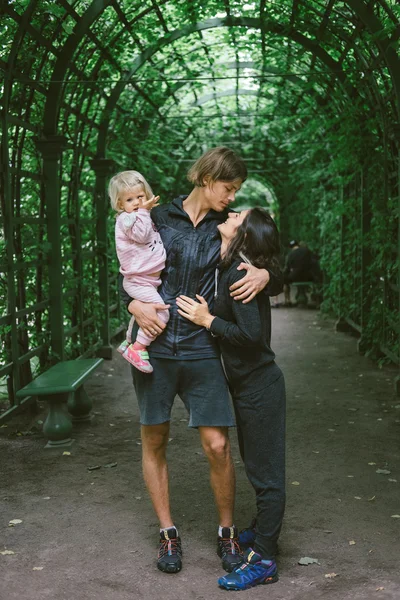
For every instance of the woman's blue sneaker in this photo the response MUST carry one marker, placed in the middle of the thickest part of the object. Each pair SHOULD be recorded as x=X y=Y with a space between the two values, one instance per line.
x=247 y=536
x=254 y=571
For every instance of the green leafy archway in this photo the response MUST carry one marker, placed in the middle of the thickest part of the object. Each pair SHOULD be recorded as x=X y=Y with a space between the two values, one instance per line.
x=307 y=91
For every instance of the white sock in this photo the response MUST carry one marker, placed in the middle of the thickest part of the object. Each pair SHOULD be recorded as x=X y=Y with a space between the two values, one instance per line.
x=165 y=530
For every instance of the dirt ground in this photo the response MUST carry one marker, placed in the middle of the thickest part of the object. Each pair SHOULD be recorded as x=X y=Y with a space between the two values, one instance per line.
x=89 y=535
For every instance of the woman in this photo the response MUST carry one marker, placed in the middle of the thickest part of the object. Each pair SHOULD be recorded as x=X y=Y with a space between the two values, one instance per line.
x=256 y=382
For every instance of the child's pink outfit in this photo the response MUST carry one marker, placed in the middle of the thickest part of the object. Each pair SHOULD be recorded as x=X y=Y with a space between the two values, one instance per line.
x=140 y=252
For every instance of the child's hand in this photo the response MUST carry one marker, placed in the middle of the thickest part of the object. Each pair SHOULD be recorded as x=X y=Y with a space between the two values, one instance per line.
x=149 y=204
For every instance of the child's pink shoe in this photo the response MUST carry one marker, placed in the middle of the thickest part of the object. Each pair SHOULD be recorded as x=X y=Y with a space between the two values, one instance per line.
x=139 y=359
x=123 y=347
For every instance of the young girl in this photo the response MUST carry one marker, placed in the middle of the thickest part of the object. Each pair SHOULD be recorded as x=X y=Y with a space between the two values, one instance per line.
x=256 y=383
x=141 y=255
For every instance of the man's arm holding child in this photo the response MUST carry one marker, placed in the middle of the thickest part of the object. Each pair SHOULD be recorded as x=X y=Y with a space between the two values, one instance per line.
x=145 y=313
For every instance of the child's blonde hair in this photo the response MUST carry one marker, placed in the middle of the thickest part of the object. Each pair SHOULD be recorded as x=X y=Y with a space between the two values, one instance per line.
x=125 y=181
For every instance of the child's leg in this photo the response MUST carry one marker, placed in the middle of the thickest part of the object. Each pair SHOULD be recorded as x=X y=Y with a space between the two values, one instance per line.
x=144 y=288
x=129 y=331
x=163 y=315
x=137 y=355
x=125 y=344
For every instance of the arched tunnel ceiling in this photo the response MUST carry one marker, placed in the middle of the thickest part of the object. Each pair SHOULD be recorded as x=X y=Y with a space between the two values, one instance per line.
x=223 y=70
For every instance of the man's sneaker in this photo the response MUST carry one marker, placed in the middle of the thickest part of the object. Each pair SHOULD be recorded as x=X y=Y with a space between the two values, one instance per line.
x=123 y=347
x=247 y=536
x=253 y=571
x=228 y=549
x=139 y=359
x=170 y=552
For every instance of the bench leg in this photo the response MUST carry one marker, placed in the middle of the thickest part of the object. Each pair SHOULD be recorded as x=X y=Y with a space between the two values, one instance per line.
x=301 y=296
x=79 y=406
x=57 y=427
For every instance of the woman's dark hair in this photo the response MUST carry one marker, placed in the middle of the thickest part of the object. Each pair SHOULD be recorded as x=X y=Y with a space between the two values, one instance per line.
x=257 y=238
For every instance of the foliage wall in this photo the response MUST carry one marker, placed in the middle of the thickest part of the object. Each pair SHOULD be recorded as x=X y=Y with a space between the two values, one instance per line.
x=306 y=91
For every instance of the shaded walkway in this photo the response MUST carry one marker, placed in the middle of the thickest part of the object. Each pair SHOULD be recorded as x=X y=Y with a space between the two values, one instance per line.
x=93 y=533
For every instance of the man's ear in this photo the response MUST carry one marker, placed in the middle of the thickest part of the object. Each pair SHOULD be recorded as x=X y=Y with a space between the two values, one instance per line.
x=206 y=180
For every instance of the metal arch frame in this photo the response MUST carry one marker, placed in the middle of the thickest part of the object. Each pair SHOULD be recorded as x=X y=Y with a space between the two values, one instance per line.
x=227 y=93
x=248 y=65
x=98 y=6
x=252 y=64
x=376 y=91
x=271 y=144
x=210 y=97
x=356 y=5
x=211 y=24
x=294 y=79
x=373 y=24
x=337 y=33
x=52 y=108
x=101 y=6
x=8 y=200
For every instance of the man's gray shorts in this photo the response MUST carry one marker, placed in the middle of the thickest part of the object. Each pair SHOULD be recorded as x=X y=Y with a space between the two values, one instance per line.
x=200 y=383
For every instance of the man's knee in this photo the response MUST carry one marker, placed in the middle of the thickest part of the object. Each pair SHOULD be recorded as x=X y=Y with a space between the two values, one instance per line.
x=216 y=443
x=155 y=437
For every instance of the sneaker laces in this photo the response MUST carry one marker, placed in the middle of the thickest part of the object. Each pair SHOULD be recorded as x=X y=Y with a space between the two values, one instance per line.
x=169 y=548
x=230 y=545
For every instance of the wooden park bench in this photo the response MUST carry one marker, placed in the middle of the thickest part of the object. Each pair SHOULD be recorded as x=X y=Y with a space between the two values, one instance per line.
x=63 y=383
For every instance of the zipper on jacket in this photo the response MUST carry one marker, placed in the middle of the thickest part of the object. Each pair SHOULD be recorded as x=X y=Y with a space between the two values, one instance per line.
x=184 y=291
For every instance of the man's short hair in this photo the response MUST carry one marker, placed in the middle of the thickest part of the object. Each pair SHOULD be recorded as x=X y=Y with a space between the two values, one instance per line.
x=219 y=164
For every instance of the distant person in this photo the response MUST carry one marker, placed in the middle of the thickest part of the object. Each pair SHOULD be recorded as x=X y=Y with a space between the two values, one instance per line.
x=299 y=267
